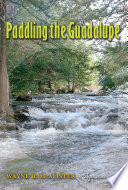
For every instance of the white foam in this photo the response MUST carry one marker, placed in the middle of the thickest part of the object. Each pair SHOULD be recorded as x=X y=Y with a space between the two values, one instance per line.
x=10 y=149
x=38 y=133
x=68 y=119
x=33 y=111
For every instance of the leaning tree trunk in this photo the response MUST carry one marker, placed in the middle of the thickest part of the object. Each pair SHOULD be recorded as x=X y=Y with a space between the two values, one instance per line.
x=4 y=85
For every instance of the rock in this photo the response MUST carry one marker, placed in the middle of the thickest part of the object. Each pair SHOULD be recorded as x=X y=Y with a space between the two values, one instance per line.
x=102 y=93
x=84 y=90
x=77 y=91
x=35 y=93
x=10 y=119
x=115 y=110
x=21 y=117
x=25 y=110
x=13 y=105
x=61 y=91
x=112 y=117
x=2 y=127
x=97 y=93
x=11 y=127
x=70 y=92
x=13 y=94
x=24 y=98
x=48 y=91
x=29 y=93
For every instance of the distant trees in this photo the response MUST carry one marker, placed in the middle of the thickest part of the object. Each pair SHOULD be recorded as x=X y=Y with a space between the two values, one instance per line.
x=58 y=62
x=114 y=65
x=58 y=68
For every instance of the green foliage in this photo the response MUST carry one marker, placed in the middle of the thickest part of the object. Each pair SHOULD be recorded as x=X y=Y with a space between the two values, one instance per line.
x=21 y=78
x=56 y=66
x=34 y=65
x=108 y=83
x=113 y=66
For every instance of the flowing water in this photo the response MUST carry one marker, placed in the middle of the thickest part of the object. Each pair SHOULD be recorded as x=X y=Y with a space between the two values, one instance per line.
x=67 y=134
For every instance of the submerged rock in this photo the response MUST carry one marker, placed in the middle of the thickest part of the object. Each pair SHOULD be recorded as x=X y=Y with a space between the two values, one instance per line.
x=24 y=98
x=9 y=122
x=112 y=117
x=8 y=127
x=2 y=127
x=98 y=93
x=11 y=127
x=20 y=116
x=10 y=119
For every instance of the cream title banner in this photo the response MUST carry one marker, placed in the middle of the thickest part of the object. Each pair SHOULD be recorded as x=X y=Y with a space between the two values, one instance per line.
x=31 y=30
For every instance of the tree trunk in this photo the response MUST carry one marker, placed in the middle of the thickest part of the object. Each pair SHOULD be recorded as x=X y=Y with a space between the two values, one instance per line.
x=40 y=87
x=4 y=84
x=49 y=84
x=69 y=86
x=73 y=84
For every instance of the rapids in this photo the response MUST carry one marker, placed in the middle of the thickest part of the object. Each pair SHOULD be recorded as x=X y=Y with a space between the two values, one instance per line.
x=71 y=134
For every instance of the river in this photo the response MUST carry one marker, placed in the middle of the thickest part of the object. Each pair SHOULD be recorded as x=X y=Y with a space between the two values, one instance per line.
x=67 y=134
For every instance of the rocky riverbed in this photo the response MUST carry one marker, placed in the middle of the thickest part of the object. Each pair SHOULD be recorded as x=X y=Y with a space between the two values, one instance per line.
x=70 y=133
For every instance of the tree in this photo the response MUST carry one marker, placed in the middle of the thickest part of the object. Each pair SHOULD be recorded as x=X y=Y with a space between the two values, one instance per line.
x=58 y=65
x=4 y=84
x=113 y=65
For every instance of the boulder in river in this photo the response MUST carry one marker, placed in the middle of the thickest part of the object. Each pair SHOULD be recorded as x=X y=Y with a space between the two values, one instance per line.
x=20 y=116
x=112 y=117
x=8 y=127
x=24 y=98
x=97 y=93
x=2 y=127
x=11 y=127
